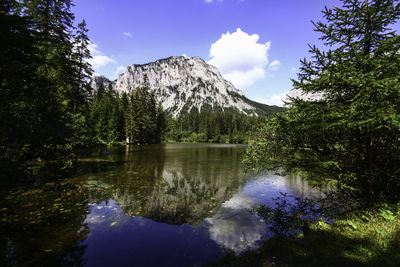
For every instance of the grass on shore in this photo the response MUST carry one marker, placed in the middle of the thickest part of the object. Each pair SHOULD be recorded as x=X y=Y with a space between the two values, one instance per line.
x=368 y=238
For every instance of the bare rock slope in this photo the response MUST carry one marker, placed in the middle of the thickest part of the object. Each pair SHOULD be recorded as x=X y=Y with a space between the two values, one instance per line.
x=185 y=85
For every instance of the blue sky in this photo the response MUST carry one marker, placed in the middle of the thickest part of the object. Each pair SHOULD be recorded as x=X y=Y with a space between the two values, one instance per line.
x=256 y=44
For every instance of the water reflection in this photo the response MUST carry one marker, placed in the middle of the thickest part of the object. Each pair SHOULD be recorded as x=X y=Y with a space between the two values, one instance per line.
x=176 y=184
x=163 y=205
x=43 y=226
x=234 y=227
x=117 y=239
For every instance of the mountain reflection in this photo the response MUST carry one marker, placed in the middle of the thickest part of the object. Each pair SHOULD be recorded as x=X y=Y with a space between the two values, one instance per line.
x=171 y=184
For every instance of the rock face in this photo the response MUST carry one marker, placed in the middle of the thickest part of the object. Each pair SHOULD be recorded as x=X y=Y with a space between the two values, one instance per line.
x=184 y=85
x=298 y=93
x=98 y=80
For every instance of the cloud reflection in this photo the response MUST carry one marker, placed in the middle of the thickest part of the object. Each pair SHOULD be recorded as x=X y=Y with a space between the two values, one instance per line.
x=235 y=227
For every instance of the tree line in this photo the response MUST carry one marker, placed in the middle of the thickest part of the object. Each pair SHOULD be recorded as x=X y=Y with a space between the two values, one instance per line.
x=134 y=118
x=216 y=127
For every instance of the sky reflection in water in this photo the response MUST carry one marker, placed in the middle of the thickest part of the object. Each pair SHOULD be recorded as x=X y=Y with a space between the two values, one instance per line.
x=202 y=208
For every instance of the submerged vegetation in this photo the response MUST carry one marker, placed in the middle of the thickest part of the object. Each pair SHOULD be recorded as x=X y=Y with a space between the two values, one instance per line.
x=37 y=210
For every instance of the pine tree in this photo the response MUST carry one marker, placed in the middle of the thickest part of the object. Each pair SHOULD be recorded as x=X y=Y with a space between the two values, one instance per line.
x=352 y=134
x=18 y=60
x=82 y=91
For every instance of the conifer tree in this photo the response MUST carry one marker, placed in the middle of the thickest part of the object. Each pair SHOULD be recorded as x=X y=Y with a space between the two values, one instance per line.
x=18 y=61
x=352 y=133
x=82 y=91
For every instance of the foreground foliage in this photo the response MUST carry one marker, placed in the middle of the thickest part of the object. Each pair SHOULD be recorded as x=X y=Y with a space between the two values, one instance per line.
x=348 y=137
x=368 y=238
x=43 y=81
x=351 y=135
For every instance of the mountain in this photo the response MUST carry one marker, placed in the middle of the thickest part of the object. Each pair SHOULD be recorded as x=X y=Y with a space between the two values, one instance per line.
x=307 y=96
x=185 y=85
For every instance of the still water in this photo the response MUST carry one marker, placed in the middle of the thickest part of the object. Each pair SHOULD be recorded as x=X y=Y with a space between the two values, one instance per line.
x=159 y=205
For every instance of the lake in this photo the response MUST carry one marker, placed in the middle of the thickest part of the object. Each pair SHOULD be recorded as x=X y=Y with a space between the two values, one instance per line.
x=156 y=205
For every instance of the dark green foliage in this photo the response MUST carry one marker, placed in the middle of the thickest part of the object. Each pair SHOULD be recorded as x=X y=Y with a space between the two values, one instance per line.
x=83 y=70
x=291 y=215
x=136 y=118
x=38 y=80
x=144 y=119
x=352 y=134
x=44 y=89
x=107 y=116
x=45 y=110
x=261 y=109
x=216 y=127
x=18 y=60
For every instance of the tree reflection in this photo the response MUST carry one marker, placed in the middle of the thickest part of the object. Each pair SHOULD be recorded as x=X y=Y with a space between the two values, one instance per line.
x=44 y=226
x=176 y=185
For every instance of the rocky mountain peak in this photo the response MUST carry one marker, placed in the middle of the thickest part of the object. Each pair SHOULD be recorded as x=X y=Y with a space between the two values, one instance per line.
x=183 y=85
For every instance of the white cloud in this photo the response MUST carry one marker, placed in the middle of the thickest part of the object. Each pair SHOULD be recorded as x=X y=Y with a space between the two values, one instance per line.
x=127 y=34
x=210 y=1
x=240 y=58
x=245 y=78
x=275 y=100
x=119 y=70
x=294 y=69
x=275 y=65
x=98 y=59
x=184 y=55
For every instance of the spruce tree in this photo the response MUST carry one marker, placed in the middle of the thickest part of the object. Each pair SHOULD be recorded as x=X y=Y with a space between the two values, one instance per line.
x=82 y=90
x=18 y=61
x=352 y=133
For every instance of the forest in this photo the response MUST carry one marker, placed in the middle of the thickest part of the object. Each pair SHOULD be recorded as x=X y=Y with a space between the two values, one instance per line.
x=49 y=112
x=215 y=127
x=348 y=139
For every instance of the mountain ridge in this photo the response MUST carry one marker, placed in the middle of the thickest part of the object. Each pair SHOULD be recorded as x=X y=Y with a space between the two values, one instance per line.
x=185 y=85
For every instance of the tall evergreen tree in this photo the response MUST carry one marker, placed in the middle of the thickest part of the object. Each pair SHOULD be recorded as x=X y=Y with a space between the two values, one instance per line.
x=352 y=134
x=81 y=54
x=18 y=61
x=43 y=79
